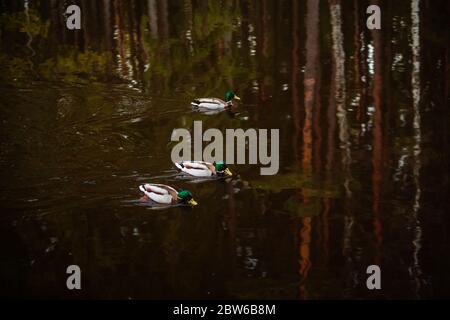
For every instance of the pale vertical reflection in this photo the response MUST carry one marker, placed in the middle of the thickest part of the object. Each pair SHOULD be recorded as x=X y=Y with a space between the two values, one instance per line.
x=252 y=44
x=370 y=59
x=415 y=84
x=132 y=48
x=30 y=37
x=118 y=36
x=124 y=42
x=339 y=89
x=189 y=24
x=340 y=97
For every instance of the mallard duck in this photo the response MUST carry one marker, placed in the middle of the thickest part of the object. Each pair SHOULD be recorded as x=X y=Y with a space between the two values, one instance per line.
x=216 y=103
x=204 y=169
x=162 y=194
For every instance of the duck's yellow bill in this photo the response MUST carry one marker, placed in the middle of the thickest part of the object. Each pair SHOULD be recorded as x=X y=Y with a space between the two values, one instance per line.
x=236 y=97
x=228 y=172
x=192 y=202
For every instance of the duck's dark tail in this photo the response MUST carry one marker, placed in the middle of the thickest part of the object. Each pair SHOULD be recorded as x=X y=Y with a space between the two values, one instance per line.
x=195 y=103
x=179 y=165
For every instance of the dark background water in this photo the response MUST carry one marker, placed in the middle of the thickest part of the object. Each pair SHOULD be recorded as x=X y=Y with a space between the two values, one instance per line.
x=86 y=116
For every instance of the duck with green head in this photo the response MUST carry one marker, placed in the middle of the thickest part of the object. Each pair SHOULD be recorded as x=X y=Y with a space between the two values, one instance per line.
x=216 y=103
x=166 y=195
x=204 y=169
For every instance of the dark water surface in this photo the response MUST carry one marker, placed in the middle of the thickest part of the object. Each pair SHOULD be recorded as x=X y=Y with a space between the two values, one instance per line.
x=86 y=116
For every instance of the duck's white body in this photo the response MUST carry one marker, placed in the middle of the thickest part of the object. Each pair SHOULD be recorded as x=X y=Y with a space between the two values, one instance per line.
x=197 y=168
x=211 y=103
x=159 y=193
